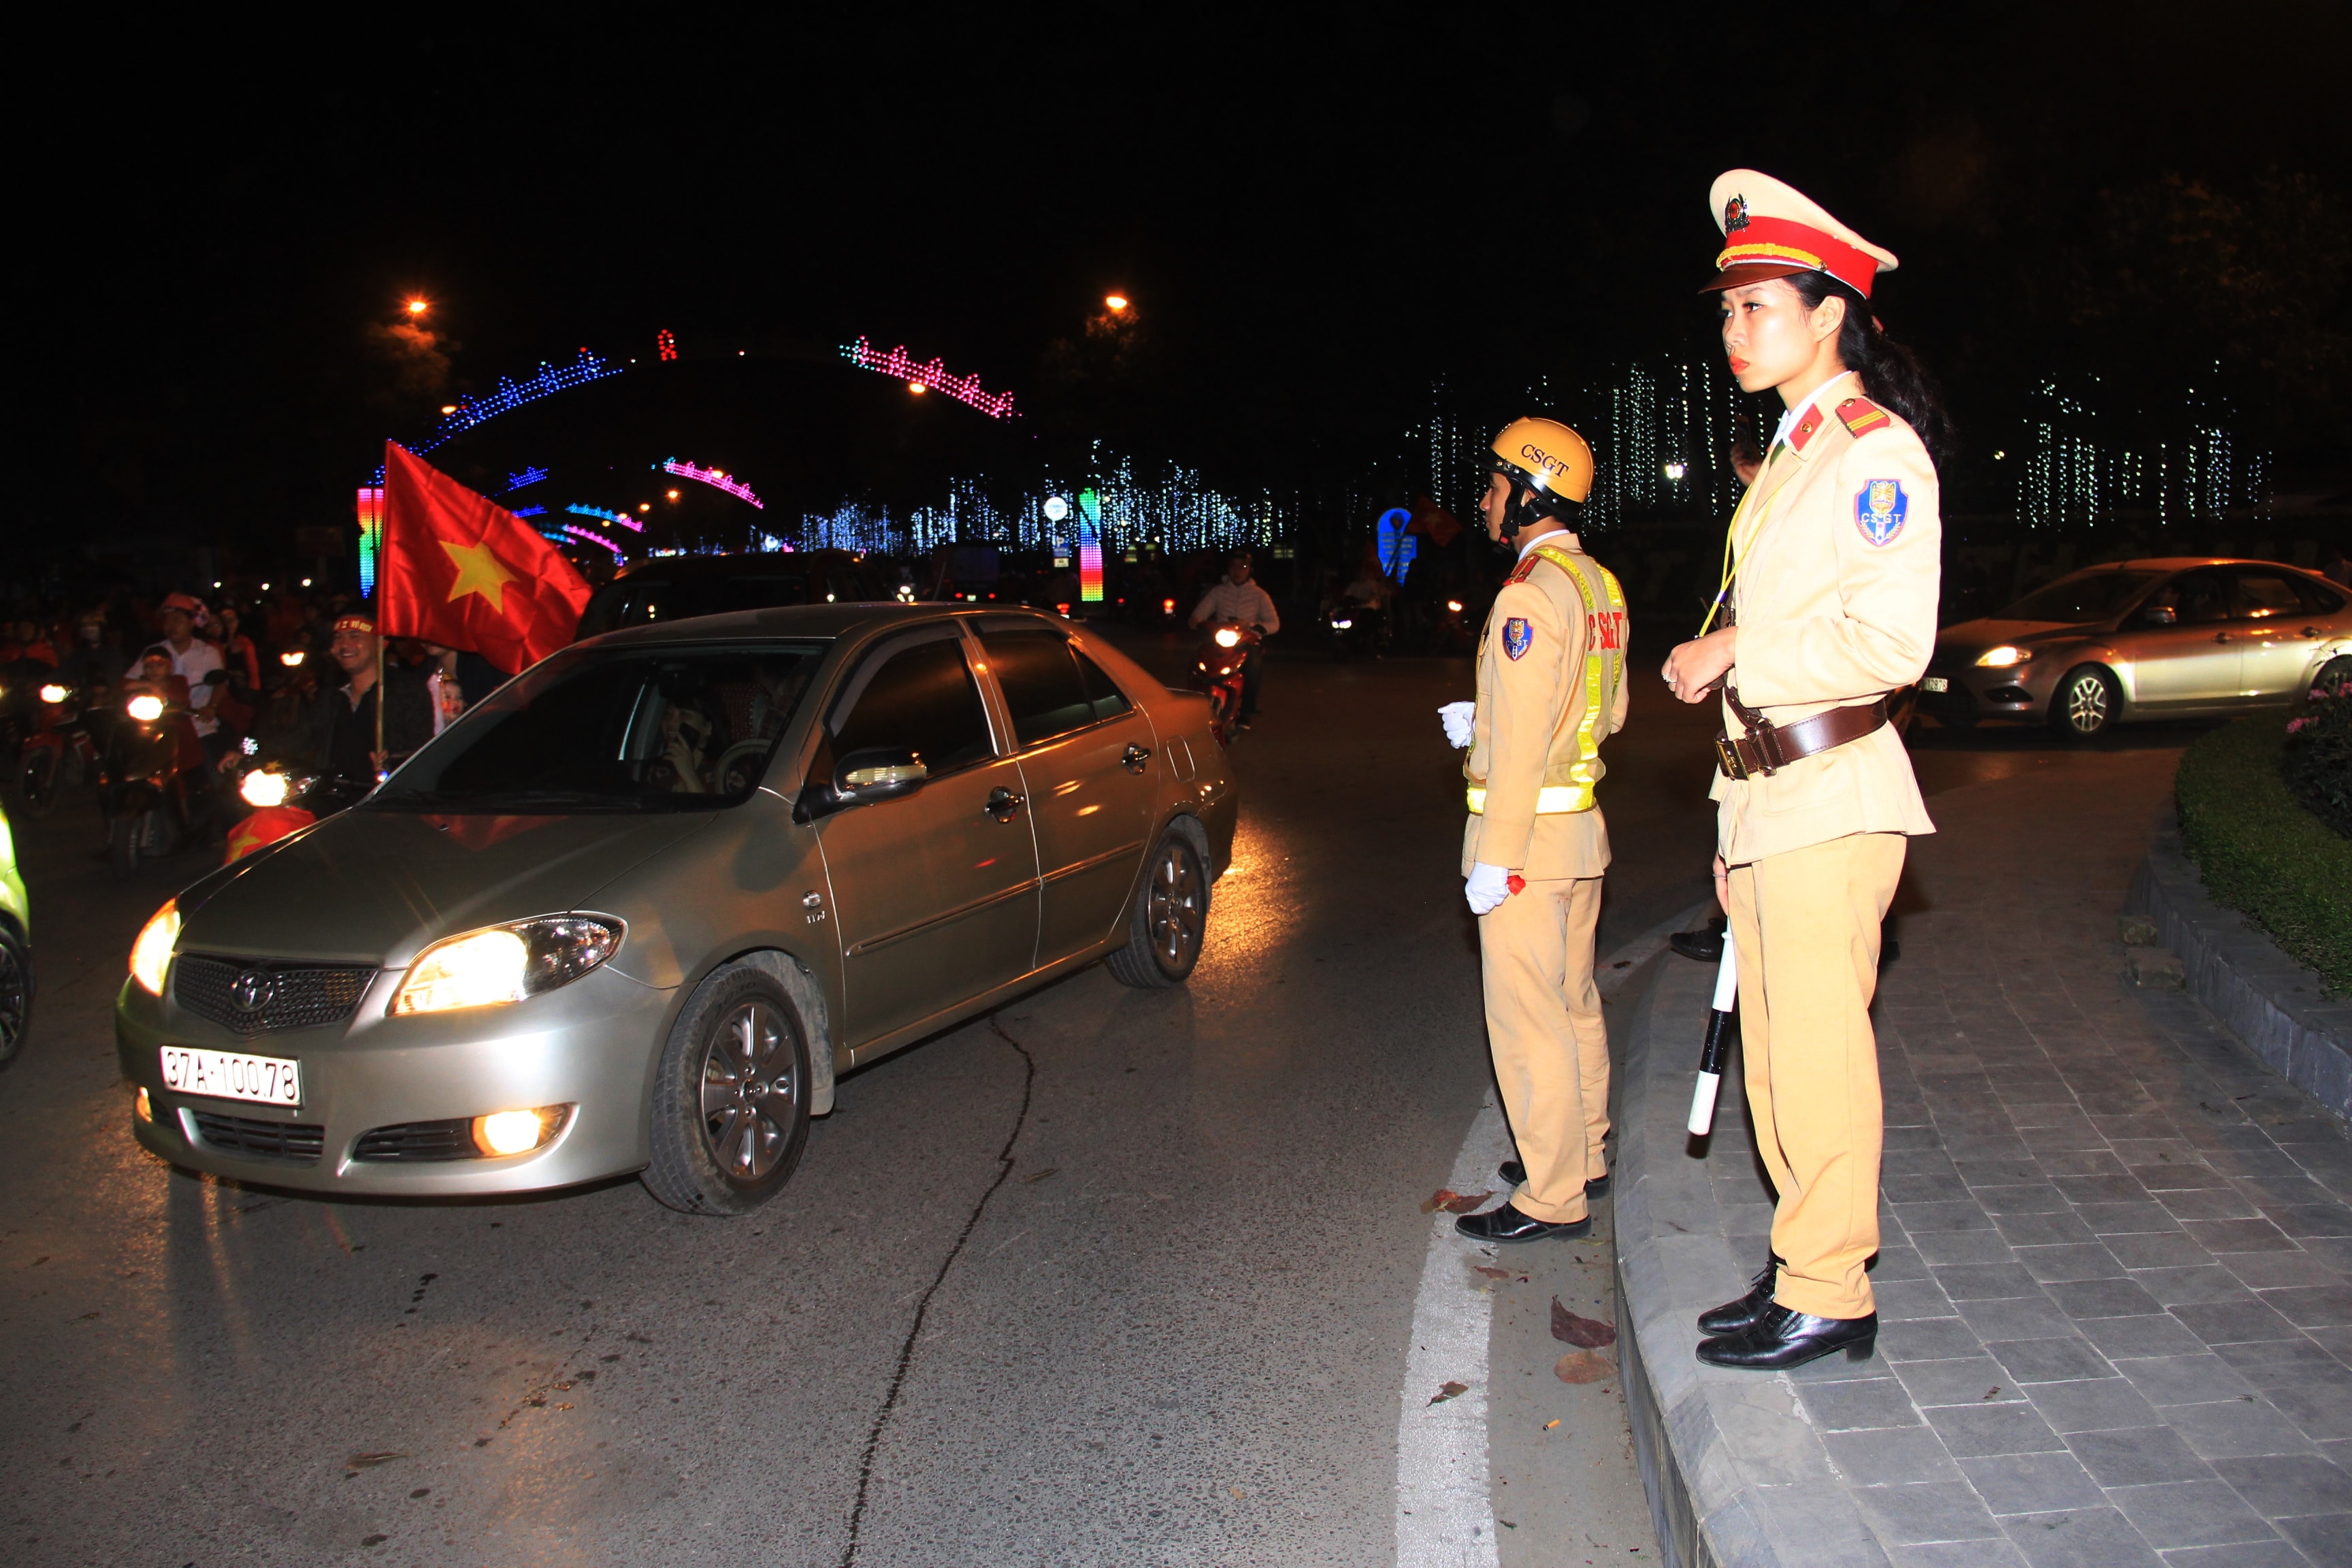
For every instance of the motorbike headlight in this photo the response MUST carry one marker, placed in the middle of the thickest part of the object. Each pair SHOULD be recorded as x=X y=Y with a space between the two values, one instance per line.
x=2003 y=656
x=291 y=659
x=264 y=787
x=1454 y=607
x=145 y=708
x=506 y=964
x=1228 y=638
x=1342 y=625
x=151 y=954
x=54 y=693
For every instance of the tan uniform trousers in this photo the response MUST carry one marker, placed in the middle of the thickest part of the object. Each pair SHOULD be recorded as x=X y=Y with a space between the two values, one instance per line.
x=1806 y=925
x=1552 y=1049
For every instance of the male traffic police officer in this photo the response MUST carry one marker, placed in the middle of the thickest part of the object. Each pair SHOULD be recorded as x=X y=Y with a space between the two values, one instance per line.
x=1549 y=664
x=1835 y=554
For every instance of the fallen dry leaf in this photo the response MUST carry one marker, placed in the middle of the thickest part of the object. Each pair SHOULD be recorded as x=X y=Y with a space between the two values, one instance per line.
x=1237 y=1491
x=1467 y=1202
x=1448 y=1390
x=1438 y=1200
x=1584 y=1366
x=1590 y=1333
x=370 y=1461
x=1048 y=1170
x=1490 y=1273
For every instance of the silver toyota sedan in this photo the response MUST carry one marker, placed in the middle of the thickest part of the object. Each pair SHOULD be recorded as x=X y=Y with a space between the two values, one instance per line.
x=2179 y=637
x=636 y=911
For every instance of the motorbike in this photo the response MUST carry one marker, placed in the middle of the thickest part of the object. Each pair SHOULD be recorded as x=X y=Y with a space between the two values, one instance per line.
x=63 y=753
x=1356 y=629
x=284 y=800
x=152 y=787
x=1217 y=672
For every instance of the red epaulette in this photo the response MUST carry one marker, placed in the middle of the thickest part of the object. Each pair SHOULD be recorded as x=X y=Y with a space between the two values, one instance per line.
x=1861 y=416
x=1523 y=570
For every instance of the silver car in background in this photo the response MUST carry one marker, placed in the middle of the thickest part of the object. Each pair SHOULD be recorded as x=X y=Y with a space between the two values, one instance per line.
x=2176 y=637
x=635 y=911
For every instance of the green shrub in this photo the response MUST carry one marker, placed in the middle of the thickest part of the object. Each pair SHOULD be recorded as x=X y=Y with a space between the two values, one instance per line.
x=2262 y=852
x=2318 y=763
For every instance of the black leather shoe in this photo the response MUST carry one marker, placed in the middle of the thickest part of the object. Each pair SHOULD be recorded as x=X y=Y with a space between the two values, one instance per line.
x=1734 y=1316
x=1707 y=946
x=1507 y=1224
x=1781 y=1339
x=1514 y=1173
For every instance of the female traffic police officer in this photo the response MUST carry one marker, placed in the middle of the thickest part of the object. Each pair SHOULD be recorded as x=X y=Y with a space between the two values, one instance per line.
x=1835 y=558
x=1549 y=664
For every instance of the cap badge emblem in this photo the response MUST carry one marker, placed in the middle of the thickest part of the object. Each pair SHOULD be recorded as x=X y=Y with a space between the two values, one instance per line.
x=1878 y=510
x=1735 y=215
x=252 y=991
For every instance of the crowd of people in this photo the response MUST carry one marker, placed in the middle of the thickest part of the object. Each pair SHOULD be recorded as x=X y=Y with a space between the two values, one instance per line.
x=288 y=677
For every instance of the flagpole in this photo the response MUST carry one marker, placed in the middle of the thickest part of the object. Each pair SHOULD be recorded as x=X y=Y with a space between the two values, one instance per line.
x=383 y=580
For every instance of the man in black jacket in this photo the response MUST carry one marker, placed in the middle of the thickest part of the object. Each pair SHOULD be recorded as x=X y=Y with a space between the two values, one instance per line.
x=351 y=738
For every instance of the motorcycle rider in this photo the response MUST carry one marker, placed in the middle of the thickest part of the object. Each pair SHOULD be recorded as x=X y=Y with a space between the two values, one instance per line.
x=1234 y=597
x=195 y=661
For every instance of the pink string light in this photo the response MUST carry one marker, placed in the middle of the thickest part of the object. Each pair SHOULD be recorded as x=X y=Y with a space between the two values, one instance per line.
x=895 y=364
x=714 y=478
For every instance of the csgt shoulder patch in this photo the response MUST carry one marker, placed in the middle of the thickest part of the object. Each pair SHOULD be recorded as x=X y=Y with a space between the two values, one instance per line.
x=1517 y=636
x=1878 y=510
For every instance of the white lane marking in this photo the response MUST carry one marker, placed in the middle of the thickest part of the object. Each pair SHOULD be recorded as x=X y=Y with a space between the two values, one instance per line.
x=1445 y=1514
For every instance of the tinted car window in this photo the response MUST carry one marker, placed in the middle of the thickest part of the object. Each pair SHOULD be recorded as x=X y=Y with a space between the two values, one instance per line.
x=2319 y=600
x=615 y=730
x=2197 y=598
x=2085 y=596
x=2263 y=595
x=1043 y=688
x=922 y=700
x=1106 y=700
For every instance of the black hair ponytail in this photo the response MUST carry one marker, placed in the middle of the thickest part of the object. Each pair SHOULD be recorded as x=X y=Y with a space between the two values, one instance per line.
x=1890 y=374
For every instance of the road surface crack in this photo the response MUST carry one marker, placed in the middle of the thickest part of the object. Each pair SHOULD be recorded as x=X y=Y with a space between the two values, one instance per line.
x=922 y=1308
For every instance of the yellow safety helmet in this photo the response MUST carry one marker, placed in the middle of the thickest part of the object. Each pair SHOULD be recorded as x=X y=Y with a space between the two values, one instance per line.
x=1543 y=457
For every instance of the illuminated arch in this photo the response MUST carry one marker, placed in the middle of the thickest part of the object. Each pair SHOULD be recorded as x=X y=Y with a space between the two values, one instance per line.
x=470 y=412
x=934 y=377
x=714 y=478
x=622 y=518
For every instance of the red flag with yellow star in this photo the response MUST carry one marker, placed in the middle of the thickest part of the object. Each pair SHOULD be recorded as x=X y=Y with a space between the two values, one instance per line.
x=456 y=570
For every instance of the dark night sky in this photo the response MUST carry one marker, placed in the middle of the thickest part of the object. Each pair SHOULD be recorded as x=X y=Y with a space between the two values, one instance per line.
x=1313 y=216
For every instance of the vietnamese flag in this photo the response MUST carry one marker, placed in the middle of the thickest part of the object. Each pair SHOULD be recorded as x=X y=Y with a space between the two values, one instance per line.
x=454 y=569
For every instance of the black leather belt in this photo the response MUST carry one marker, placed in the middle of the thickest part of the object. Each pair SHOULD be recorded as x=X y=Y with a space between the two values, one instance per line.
x=1767 y=747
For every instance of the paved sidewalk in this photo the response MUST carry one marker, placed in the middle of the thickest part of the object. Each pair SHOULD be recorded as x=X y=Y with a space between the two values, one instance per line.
x=2116 y=1284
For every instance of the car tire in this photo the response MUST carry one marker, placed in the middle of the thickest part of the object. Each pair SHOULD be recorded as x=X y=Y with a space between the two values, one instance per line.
x=2083 y=702
x=1170 y=921
x=16 y=993
x=2331 y=674
x=123 y=845
x=730 y=1114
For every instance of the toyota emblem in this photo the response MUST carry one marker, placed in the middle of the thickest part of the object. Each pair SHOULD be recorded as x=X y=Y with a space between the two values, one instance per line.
x=252 y=990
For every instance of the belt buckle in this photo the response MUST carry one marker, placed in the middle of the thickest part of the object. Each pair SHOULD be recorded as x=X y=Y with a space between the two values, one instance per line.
x=1726 y=753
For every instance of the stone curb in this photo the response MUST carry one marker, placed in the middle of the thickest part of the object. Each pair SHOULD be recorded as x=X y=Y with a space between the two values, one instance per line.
x=2278 y=1007
x=1738 y=1475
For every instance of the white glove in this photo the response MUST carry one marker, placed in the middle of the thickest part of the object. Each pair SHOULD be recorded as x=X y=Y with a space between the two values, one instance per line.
x=1460 y=720
x=1487 y=886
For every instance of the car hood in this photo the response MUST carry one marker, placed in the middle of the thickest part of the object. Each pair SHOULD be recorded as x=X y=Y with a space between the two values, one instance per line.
x=1971 y=637
x=378 y=887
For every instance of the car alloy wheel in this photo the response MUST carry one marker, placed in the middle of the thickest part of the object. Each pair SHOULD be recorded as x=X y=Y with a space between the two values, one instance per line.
x=2084 y=703
x=15 y=996
x=751 y=1091
x=1170 y=921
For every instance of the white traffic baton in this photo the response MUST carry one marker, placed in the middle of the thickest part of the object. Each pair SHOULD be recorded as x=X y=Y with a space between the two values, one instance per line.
x=1718 y=1040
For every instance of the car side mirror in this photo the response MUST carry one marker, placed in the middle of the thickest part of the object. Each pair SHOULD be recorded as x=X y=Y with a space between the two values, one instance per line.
x=2160 y=616
x=880 y=772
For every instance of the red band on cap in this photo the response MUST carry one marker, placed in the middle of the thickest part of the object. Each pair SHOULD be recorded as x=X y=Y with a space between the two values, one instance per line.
x=1779 y=239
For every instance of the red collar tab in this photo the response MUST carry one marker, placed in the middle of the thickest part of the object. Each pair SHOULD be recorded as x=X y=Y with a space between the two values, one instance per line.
x=1523 y=570
x=1805 y=428
x=1785 y=240
x=1861 y=416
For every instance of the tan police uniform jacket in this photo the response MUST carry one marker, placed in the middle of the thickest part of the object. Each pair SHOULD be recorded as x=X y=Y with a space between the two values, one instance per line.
x=1530 y=722
x=1837 y=551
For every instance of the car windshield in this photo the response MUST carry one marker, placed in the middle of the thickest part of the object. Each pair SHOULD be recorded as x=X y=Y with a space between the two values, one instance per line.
x=2091 y=595
x=627 y=729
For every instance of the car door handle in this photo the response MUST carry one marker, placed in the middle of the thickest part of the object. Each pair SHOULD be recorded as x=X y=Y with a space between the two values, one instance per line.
x=1134 y=757
x=1003 y=805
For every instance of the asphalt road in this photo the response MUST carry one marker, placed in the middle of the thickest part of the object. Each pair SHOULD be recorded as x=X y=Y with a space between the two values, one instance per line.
x=1111 y=1276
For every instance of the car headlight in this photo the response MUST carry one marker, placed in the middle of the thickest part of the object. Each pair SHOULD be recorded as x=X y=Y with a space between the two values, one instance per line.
x=145 y=708
x=1227 y=636
x=506 y=964
x=2003 y=656
x=151 y=954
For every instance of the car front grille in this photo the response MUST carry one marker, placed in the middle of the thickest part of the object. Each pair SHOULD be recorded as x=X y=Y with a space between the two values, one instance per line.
x=289 y=995
x=416 y=1141
x=295 y=1143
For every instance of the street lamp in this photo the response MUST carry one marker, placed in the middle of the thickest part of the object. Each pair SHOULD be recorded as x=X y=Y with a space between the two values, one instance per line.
x=917 y=387
x=418 y=307
x=1116 y=302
